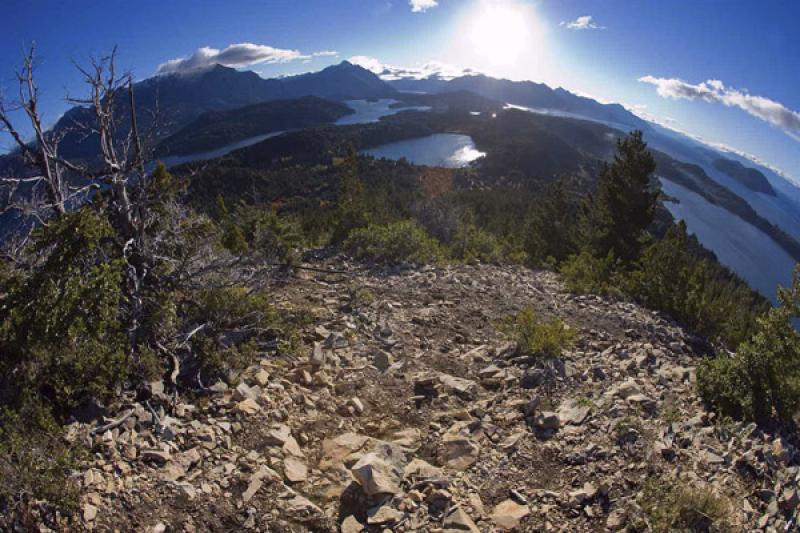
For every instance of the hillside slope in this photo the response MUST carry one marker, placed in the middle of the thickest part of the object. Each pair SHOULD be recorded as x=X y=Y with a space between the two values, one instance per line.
x=405 y=410
x=219 y=128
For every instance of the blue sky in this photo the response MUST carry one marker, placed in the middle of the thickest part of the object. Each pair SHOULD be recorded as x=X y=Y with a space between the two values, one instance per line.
x=753 y=49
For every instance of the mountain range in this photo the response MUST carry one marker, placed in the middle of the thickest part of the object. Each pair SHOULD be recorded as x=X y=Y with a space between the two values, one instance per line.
x=219 y=105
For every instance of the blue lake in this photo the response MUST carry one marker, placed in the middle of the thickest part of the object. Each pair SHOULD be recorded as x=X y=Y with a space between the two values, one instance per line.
x=448 y=150
x=371 y=111
x=365 y=112
x=175 y=160
x=738 y=245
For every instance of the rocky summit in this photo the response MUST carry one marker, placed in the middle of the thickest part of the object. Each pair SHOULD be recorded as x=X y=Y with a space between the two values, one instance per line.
x=404 y=409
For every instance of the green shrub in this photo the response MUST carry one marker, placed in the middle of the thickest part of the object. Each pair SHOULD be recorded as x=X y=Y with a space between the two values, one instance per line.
x=266 y=234
x=61 y=336
x=234 y=325
x=761 y=382
x=551 y=235
x=535 y=335
x=35 y=462
x=352 y=204
x=472 y=244
x=585 y=273
x=671 y=505
x=394 y=243
x=670 y=277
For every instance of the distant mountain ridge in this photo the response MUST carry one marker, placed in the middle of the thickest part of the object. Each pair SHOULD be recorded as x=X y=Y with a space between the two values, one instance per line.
x=747 y=176
x=527 y=94
x=181 y=98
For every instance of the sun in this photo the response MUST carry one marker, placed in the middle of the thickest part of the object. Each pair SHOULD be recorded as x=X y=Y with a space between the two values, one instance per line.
x=500 y=33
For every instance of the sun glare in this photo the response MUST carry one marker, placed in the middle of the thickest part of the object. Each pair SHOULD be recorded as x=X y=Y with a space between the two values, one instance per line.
x=499 y=33
x=501 y=37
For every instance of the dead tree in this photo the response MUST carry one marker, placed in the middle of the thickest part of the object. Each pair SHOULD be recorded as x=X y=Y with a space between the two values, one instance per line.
x=118 y=171
x=155 y=234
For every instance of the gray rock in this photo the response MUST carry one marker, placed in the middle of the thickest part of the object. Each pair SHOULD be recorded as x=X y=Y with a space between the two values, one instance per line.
x=573 y=412
x=458 y=520
x=375 y=475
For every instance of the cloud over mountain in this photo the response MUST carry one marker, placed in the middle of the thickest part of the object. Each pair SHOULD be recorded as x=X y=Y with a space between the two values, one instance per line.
x=421 y=6
x=235 y=55
x=426 y=70
x=715 y=91
x=582 y=23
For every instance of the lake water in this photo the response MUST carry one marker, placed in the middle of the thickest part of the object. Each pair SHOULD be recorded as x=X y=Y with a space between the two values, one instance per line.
x=738 y=245
x=175 y=160
x=365 y=112
x=371 y=111
x=448 y=150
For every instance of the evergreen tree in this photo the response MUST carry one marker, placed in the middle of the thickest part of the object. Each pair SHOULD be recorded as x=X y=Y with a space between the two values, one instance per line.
x=615 y=218
x=551 y=226
x=352 y=208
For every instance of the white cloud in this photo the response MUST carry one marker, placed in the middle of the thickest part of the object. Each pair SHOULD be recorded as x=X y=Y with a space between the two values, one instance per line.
x=421 y=6
x=714 y=91
x=582 y=23
x=421 y=71
x=235 y=55
x=326 y=53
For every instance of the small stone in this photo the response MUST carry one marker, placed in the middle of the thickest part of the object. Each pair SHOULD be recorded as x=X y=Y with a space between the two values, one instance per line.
x=384 y=514
x=573 y=412
x=460 y=452
x=507 y=514
x=382 y=360
x=248 y=406
x=317 y=357
x=357 y=405
x=616 y=520
x=461 y=387
x=375 y=475
x=155 y=456
x=351 y=525
x=89 y=512
x=548 y=421
x=295 y=471
x=262 y=377
x=459 y=520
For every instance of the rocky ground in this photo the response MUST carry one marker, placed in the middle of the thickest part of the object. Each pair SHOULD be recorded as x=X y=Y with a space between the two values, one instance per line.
x=407 y=411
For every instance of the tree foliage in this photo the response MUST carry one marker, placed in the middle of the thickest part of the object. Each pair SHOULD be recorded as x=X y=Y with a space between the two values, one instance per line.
x=616 y=217
x=761 y=382
x=352 y=206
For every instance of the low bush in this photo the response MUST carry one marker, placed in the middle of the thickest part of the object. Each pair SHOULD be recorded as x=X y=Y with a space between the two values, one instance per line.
x=35 y=463
x=671 y=505
x=472 y=244
x=670 y=277
x=394 y=243
x=60 y=326
x=534 y=335
x=761 y=382
x=585 y=273
x=234 y=326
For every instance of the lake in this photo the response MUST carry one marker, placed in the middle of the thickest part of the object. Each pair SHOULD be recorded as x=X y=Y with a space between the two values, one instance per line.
x=448 y=150
x=738 y=245
x=367 y=111
x=175 y=160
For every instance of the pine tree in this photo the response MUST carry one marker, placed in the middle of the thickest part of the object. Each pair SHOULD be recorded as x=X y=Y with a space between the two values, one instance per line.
x=615 y=218
x=352 y=208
